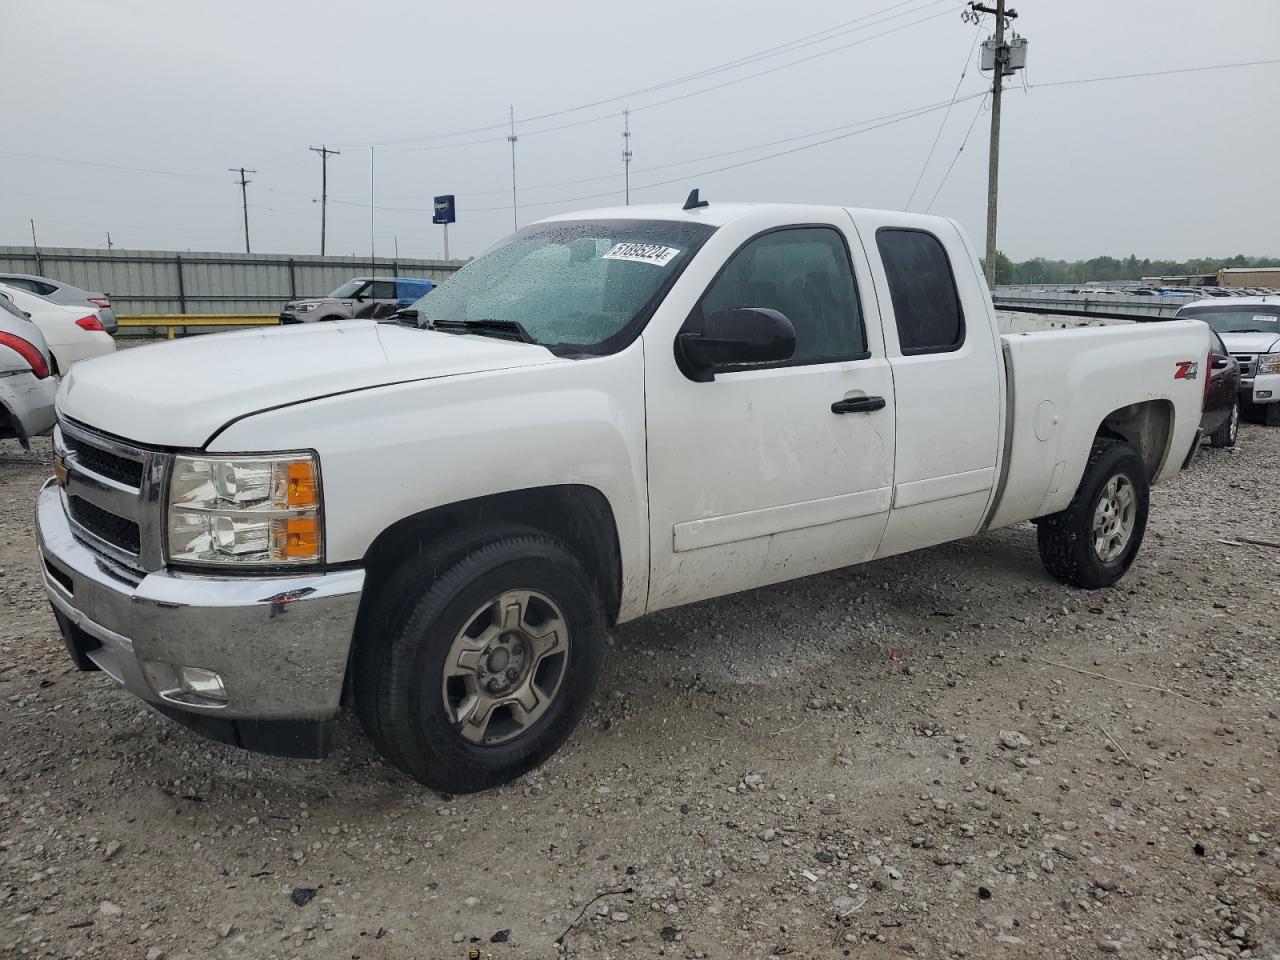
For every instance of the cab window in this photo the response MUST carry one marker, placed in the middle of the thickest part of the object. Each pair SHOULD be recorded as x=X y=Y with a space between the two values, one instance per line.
x=926 y=304
x=804 y=273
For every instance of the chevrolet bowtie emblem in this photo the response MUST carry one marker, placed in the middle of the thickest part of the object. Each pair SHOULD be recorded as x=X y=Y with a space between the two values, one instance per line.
x=59 y=469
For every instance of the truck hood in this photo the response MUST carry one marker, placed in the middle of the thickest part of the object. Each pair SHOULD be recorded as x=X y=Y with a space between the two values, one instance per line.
x=181 y=393
x=1250 y=342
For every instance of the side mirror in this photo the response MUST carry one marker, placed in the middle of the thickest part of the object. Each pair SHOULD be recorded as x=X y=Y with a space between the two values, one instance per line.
x=361 y=297
x=731 y=337
x=1220 y=362
x=407 y=315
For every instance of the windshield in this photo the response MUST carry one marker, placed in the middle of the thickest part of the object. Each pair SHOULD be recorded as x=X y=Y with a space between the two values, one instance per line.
x=349 y=289
x=576 y=286
x=1238 y=318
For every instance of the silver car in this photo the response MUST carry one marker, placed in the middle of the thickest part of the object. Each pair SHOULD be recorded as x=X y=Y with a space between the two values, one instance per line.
x=374 y=298
x=27 y=384
x=66 y=294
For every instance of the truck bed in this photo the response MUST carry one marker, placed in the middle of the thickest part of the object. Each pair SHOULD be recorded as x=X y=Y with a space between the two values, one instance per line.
x=1063 y=384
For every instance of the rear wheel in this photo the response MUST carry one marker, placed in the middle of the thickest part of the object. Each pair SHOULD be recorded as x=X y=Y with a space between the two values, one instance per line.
x=1225 y=435
x=476 y=660
x=1093 y=542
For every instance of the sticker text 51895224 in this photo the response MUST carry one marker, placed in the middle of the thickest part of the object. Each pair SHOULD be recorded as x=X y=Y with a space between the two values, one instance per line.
x=653 y=253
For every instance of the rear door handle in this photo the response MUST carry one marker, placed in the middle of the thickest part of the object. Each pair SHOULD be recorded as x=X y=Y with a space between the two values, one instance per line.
x=858 y=405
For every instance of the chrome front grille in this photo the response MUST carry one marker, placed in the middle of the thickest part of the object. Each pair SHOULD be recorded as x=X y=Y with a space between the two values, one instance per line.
x=113 y=494
x=1248 y=363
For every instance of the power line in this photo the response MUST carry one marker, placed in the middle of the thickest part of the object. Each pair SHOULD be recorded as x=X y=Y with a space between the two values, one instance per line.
x=942 y=126
x=1156 y=73
x=683 y=96
x=963 y=143
x=111 y=166
x=708 y=156
x=777 y=50
x=891 y=119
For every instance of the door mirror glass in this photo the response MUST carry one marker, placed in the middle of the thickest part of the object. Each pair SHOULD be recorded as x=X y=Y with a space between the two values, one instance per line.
x=738 y=336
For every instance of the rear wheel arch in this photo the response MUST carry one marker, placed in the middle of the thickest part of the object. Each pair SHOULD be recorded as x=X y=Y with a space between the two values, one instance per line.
x=1147 y=427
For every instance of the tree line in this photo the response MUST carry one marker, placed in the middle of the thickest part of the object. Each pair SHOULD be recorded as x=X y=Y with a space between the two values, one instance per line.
x=1112 y=269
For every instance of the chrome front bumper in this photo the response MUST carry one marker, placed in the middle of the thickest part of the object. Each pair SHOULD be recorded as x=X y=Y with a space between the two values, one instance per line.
x=279 y=644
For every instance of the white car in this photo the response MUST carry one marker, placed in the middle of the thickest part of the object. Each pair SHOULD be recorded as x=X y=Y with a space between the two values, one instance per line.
x=72 y=333
x=609 y=414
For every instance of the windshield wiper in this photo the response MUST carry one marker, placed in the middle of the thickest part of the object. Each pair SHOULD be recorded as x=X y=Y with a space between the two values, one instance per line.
x=508 y=329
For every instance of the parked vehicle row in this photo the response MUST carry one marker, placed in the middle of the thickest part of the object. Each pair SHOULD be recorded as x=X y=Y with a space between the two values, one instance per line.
x=73 y=333
x=609 y=414
x=1249 y=329
x=65 y=294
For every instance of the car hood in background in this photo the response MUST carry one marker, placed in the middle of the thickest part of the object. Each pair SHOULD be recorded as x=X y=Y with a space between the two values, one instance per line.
x=180 y=393
x=1250 y=342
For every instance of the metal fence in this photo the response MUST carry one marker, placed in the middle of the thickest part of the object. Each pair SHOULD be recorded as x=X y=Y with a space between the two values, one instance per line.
x=159 y=281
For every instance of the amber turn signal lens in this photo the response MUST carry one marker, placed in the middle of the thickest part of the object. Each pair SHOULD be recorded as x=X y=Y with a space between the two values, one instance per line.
x=297 y=538
x=302 y=483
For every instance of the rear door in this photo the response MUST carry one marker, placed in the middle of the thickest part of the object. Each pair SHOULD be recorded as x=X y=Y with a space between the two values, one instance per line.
x=772 y=471
x=942 y=348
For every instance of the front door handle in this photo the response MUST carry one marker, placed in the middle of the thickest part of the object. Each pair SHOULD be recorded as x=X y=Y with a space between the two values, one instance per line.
x=858 y=405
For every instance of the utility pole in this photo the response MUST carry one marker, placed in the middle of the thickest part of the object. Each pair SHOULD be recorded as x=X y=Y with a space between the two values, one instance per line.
x=35 y=247
x=244 y=200
x=999 y=68
x=373 y=217
x=626 y=152
x=325 y=154
x=515 y=219
x=109 y=243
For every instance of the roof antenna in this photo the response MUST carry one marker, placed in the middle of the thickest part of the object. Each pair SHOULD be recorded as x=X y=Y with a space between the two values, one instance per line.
x=693 y=203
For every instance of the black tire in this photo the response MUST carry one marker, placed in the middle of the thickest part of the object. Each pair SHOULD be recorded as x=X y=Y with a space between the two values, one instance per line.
x=1271 y=414
x=1066 y=539
x=406 y=633
x=330 y=319
x=1225 y=435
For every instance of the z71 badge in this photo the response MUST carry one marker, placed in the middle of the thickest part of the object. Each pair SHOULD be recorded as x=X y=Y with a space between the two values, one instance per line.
x=1186 y=370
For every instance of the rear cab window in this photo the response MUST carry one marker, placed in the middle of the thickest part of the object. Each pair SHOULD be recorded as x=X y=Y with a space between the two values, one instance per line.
x=926 y=303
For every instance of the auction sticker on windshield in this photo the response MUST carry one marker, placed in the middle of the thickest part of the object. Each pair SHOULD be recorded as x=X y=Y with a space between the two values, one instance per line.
x=653 y=253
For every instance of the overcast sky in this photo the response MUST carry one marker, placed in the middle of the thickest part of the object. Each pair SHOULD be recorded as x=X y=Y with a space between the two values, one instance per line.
x=1171 y=166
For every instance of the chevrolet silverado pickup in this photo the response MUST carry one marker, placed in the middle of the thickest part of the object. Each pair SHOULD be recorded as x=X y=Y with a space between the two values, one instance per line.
x=609 y=414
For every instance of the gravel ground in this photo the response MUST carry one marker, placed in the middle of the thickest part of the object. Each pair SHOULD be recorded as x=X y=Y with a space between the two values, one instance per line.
x=945 y=754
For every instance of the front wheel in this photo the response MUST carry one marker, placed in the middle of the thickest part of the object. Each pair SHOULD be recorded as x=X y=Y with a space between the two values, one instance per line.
x=1092 y=542
x=1225 y=435
x=476 y=661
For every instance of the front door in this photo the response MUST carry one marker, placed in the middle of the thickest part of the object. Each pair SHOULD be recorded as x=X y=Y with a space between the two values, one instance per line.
x=773 y=471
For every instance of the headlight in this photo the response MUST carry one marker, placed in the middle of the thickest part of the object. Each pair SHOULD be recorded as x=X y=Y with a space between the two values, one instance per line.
x=256 y=510
x=1269 y=363
x=306 y=307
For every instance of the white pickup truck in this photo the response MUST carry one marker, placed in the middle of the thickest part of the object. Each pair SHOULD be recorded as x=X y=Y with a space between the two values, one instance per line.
x=610 y=413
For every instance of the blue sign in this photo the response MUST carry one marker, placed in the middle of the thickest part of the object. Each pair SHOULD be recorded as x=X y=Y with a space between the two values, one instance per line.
x=445 y=210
